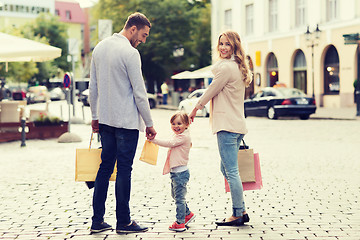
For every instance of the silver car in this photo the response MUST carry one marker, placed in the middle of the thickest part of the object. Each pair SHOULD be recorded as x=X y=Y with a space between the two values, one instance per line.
x=188 y=104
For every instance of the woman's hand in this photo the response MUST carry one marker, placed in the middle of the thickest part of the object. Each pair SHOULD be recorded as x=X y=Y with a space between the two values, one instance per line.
x=192 y=115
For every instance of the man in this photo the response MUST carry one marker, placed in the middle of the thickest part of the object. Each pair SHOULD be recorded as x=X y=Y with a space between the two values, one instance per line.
x=164 y=91
x=119 y=107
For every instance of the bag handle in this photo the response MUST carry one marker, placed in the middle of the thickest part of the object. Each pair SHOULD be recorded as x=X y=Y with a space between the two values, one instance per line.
x=244 y=146
x=91 y=138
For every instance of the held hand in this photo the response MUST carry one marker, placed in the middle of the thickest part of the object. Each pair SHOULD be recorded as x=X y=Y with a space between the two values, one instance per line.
x=150 y=133
x=192 y=115
x=95 y=126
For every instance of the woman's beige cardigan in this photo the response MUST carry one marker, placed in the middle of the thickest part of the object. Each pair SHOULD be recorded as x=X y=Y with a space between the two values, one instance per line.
x=226 y=93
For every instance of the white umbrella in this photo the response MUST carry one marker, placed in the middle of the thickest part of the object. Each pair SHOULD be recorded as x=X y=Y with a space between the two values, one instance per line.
x=182 y=75
x=17 y=49
x=204 y=72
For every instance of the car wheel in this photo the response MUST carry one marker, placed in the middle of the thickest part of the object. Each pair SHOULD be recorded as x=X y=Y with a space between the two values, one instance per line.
x=304 y=117
x=271 y=114
x=152 y=103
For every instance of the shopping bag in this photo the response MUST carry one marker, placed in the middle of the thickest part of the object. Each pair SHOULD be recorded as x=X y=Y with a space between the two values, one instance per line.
x=246 y=165
x=149 y=152
x=87 y=164
x=258 y=179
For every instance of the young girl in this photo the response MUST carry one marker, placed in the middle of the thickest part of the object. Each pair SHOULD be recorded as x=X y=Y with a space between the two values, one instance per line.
x=176 y=163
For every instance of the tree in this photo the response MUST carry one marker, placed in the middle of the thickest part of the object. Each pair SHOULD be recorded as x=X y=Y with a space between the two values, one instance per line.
x=46 y=29
x=175 y=25
x=19 y=71
x=49 y=26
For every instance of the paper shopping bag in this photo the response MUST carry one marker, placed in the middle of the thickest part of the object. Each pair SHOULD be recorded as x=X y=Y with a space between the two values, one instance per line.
x=87 y=165
x=258 y=179
x=246 y=165
x=149 y=153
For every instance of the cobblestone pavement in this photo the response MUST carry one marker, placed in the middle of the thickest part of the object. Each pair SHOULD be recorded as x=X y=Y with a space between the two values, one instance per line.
x=310 y=173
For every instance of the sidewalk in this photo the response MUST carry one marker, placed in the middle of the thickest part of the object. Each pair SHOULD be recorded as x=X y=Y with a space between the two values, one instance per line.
x=309 y=193
x=348 y=113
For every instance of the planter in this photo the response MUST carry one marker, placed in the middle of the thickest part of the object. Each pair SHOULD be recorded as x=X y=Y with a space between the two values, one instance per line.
x=46 y=131
x=47 y=123
x=12 y=131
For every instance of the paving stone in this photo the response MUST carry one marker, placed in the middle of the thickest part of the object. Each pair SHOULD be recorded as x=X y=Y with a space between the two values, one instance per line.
x=310 y=191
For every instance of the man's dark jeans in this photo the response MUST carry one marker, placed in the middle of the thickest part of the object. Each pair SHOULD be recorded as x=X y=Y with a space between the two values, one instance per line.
x=118 y=145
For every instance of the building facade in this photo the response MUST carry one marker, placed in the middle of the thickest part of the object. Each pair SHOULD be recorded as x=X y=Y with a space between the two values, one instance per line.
x=15 y=13
x=298 y=43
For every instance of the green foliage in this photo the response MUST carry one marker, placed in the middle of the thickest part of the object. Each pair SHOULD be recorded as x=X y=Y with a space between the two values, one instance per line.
x=46 y=29
x=49 y=26
x=175 y=24
x=44 y=119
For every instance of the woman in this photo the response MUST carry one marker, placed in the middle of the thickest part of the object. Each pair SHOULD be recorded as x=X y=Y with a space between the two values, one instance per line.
x=226 y=93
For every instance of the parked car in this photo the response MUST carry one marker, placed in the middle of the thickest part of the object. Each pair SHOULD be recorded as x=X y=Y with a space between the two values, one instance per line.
x=188 y=104
x=276 y=102
x=37 y=94
x=84 y=98
x=57 y=94
x=19 y=94
x=152 y=100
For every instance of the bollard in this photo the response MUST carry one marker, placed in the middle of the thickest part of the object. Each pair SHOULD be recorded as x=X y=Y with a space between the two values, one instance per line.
x=83 y=112
x=357 y=97
x=23 y=132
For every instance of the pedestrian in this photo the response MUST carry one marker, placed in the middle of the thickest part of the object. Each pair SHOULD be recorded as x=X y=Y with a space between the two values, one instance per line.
x=165 y=92
x=176 y=163
x=226 y=93
x=119 y=107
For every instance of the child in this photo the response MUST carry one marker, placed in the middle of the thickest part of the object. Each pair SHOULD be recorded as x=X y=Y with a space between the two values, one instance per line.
x=176 y=163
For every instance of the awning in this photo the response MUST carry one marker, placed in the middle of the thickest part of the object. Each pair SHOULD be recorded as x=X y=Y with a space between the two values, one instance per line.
x=17 y=49
x=182 y=75
x=204 y=72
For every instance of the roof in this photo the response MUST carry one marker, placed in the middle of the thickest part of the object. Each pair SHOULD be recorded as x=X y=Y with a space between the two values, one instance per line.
x=75 y=13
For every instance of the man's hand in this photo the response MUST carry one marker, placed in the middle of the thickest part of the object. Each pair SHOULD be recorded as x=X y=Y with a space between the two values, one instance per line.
x=193 y=114
x=150 y=133
x=95 y=126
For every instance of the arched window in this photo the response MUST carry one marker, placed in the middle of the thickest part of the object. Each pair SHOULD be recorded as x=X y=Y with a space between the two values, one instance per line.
x=300 y=71
x=331 y=71
x=272 y=70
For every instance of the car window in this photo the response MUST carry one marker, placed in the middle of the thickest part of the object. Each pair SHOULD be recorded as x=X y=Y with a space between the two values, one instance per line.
x=259 y=94
x=291 y=92
x=269 y=94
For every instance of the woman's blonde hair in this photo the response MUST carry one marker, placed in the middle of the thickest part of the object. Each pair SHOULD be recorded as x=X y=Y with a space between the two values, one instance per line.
x=183 y=117
x=239 y=54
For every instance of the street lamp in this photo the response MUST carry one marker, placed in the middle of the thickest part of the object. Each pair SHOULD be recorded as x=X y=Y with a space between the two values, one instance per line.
x=312 y=37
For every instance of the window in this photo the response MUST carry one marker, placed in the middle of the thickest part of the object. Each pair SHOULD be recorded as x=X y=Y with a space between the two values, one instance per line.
x=331 y=72
x=300 y=71
x=68 y=15
x=57 y=12
x=272 y=69
x=300 y=13
x=331 y=10
x=228 y=18
x=249 y=18
x=273 y=15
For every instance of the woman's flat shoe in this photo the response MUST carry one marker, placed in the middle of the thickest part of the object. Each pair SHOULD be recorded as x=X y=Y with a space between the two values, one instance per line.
x=246 y=218
x=236 y=222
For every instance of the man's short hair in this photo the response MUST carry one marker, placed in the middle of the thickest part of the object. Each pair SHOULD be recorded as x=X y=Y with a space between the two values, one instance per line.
x=137 y=19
